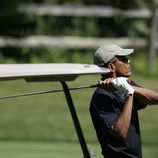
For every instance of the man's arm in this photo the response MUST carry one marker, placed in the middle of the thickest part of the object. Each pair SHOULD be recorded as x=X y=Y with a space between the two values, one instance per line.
x=121 y=126
x=146 y=96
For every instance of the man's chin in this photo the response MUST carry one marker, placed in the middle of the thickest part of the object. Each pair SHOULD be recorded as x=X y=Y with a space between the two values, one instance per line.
x=127 y=75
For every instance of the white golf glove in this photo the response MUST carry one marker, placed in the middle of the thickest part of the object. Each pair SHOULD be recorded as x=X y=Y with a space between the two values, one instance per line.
x=122 y=86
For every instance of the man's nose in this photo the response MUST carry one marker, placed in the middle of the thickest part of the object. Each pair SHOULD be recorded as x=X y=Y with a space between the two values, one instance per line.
x=129 y=61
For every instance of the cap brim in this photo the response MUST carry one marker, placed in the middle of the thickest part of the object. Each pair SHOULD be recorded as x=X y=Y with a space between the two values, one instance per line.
x=125 y=52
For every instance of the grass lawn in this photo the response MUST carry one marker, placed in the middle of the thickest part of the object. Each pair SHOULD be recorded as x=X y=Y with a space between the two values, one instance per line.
x=24 y=149
x=39 y=150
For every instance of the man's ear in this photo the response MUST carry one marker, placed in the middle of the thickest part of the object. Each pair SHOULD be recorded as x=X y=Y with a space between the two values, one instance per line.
x=112 y=67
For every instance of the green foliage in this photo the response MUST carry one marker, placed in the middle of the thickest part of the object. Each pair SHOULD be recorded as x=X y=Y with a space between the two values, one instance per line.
x=139 y=29
x=138 y=62
x=16 y=24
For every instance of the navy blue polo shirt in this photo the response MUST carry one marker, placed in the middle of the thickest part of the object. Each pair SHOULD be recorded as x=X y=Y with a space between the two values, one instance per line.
x=105 y=108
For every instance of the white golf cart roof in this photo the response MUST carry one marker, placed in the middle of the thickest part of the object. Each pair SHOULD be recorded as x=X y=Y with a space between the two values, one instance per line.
x=48 y=72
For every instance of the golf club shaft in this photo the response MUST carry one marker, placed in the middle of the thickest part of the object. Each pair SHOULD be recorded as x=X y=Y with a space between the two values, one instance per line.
x=48 y=91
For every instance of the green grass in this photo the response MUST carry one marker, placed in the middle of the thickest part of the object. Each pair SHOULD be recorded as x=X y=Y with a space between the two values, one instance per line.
x=43 y=117
x=39 y=150
x=150 y=151
x=25 y=149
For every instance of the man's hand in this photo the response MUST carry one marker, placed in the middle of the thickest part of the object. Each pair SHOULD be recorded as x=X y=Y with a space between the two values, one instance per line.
x=118 y=84
x=107 y=84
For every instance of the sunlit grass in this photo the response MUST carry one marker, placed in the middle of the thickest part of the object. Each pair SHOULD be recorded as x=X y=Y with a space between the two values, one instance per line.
x=30 y=149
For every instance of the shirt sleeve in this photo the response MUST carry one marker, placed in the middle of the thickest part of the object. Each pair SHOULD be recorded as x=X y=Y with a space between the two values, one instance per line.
x=103 y=108
x=137 y=104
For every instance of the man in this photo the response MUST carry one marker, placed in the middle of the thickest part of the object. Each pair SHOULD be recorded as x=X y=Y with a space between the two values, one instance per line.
x=115 y=103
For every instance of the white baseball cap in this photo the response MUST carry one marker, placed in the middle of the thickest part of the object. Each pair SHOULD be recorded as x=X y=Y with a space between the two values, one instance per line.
x=106 y=52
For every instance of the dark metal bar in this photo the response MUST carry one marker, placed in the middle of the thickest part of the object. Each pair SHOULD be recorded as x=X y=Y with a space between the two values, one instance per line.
x=82 y=141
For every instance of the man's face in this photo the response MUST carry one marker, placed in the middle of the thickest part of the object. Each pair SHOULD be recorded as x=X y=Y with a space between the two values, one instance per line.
x=122 y=66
